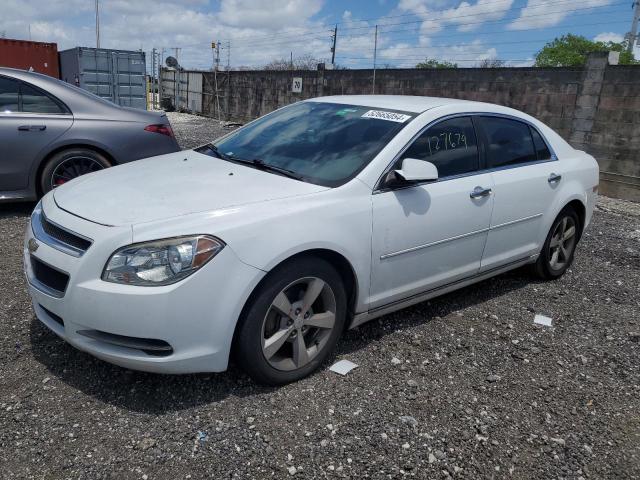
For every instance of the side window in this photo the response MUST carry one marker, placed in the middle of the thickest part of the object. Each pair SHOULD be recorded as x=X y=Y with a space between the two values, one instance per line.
x=36 y=101
x=8 y=95
x=450 y=145
x=509 y=142
x=542 y=151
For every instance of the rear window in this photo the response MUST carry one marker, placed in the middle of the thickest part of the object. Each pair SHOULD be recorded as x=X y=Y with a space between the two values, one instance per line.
x=542 y=151
x=36 y=101
x=509 y=142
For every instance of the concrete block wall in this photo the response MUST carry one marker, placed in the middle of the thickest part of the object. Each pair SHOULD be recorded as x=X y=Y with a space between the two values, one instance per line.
x=596 y=107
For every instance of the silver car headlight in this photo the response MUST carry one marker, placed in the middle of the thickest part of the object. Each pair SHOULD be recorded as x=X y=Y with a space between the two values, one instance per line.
x=161 y=262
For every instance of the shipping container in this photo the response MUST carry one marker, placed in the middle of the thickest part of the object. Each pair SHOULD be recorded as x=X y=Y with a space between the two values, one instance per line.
x=116 y=75
x=189 y=94
x=25 y=55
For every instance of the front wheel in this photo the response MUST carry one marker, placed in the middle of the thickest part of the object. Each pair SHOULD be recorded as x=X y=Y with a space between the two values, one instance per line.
x=293 y=322
x=558 y=250
x=69 y=164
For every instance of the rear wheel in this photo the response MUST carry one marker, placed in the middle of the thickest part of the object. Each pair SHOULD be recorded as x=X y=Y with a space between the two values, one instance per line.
x=293 y=322
x=558 y=250
x=69 y=164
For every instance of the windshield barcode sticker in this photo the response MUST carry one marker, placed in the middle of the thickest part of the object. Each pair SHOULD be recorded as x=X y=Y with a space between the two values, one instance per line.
x=391 y=116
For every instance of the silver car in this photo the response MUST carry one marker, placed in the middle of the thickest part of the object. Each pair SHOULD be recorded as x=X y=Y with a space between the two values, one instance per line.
x=52 y=132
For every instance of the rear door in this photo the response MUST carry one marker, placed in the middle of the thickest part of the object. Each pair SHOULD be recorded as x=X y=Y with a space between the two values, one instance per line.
x=526 y=176
x=30 y=120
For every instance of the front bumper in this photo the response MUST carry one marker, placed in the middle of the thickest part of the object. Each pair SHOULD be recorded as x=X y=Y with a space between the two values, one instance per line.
x=196 y=316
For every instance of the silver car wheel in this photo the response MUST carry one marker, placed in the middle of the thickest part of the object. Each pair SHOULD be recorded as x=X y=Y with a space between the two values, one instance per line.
x=562 y=243
x=298 y=324
x=73 y=167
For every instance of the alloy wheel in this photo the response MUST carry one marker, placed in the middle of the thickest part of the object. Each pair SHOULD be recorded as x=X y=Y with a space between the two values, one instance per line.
x=73 y=167
x=562 y=243
x=298 y=324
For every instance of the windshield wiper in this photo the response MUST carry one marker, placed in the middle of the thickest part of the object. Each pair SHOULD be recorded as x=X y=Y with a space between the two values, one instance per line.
x=273 y=168
x=217 y=151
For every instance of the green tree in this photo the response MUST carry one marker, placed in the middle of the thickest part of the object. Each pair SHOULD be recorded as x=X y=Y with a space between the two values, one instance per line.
x=572 y=50
x=433 y=63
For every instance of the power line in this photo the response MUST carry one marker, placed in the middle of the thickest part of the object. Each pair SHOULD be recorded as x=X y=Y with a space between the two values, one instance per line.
x=326 y=28
x=285 y=36
x=450 y=35
x=286 y=42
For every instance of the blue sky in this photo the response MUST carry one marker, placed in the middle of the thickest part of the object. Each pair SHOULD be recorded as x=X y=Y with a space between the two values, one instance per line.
x=464 y=32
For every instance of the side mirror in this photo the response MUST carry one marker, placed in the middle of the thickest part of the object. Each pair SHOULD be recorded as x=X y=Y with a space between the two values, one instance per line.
x=414 y=170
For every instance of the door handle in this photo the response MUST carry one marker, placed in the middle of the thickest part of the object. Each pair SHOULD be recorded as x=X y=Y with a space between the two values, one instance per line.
x=32 y=128
x=480 y=192
x=554 y=178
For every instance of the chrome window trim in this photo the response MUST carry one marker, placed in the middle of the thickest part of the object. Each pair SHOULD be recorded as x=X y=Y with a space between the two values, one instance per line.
x=554 y=158
x=44 y=237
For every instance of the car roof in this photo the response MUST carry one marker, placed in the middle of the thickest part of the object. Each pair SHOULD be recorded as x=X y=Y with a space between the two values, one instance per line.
x=81 y=102
x=406 y=103
x=27 y=75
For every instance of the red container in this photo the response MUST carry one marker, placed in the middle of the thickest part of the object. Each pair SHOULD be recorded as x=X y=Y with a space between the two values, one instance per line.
x=41 y=57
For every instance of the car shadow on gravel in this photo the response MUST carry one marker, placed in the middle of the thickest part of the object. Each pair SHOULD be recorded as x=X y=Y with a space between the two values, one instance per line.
x=438 y=307
x=158 y=394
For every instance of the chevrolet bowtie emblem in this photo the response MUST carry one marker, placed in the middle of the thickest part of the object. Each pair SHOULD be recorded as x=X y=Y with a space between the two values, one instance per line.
x=32 y=245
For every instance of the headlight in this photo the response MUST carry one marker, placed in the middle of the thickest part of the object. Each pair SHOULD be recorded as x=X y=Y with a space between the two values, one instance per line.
x=161 y=262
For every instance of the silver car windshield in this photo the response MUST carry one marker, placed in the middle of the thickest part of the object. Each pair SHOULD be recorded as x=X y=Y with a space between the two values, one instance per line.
x=322 y=143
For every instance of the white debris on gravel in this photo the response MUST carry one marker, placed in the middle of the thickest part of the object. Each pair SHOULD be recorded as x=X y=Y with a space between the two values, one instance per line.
x=343 y=367
x=542 y=320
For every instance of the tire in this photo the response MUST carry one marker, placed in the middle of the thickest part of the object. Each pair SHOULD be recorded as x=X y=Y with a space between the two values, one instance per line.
x=555 y=258
x=268 y=340
x=69 y=164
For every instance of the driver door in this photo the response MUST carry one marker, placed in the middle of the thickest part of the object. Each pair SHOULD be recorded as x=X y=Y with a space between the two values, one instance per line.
x=428 y=235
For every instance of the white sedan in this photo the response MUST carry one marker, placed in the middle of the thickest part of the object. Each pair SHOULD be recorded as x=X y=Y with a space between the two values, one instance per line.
x=268 y=243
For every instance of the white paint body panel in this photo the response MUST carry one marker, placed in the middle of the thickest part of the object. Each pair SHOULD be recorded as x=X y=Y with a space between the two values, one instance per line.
x=399 y=244
x=426 y=236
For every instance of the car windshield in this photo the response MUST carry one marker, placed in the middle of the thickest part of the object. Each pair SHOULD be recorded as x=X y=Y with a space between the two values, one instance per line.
x=322 y=143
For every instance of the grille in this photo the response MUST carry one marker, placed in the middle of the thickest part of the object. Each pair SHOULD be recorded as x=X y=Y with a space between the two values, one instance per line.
x=64 y=236
x=51 y=278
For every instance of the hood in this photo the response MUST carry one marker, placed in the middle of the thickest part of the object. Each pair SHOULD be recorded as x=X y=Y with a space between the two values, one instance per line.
x=170 y=186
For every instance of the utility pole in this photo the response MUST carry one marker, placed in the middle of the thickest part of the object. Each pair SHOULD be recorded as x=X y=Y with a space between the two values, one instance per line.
x=153 y=78
x=97 y=24
x=176 y=89
x=632 y=36
x=333 y=48
x=291 y=62
x=160 y=68
x=228 y=55
x=375 y=54
x=216 y=46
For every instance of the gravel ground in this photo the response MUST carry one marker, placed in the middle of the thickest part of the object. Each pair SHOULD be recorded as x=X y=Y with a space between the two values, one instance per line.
x=465 y=386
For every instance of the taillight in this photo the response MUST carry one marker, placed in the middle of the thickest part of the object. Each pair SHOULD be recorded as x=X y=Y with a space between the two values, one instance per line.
x=163 y=129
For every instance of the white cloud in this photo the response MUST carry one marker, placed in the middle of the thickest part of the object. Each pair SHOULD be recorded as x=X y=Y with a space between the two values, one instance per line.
x=470 y=16
x=259 y=30
x=273 y=14
x=609 y=37
x=539 y=14
x=436 y=15
x=467 y=16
